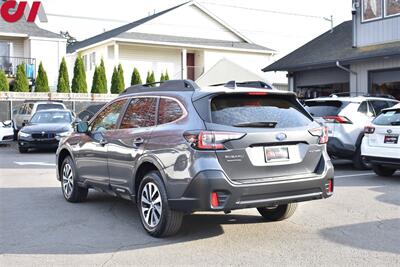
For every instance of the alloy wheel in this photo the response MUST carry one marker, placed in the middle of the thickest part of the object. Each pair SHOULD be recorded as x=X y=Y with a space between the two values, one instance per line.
x=67 y=180
x=151 y=204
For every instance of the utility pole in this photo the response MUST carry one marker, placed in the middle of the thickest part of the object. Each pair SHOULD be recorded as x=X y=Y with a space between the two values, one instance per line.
x=330 y=20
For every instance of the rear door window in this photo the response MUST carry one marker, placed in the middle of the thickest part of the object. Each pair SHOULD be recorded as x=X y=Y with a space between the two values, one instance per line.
x=267 y=111
x=140 y=113
x=324 y=108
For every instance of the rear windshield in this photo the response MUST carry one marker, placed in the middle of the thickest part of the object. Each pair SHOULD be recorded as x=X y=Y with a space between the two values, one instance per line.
x=388 y=118
x=324 y=108
x=281 y=112
x=49 y=106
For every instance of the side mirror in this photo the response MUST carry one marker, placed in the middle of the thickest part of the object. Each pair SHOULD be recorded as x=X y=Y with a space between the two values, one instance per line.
x=7 y=123
x=82 y=127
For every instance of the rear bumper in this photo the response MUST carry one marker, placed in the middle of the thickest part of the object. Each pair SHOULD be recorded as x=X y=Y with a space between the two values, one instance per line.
x=386 y=162
x=233 y=196
x=337 y=148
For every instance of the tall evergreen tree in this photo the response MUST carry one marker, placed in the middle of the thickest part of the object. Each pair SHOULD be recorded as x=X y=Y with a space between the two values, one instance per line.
x=121 y=84
x=4 y=85
x=166 y=76
x=21 y=83
x=136 y=77
x=162 y=78
x=63 y=78
x=152 y=77
x=96 y=83
x=103 y=78
x=79 y=84
x=42 y=83
x=148 y=77
x=115 y=82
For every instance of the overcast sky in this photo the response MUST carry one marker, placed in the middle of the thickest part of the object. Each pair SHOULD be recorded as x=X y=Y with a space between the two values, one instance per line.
x=265 y=22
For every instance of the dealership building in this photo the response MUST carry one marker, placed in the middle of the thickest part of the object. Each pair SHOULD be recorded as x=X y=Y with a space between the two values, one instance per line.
x=361 y=56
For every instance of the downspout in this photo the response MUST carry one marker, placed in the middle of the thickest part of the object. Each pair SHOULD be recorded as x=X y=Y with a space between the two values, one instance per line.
x=354 y=20
x=349 y=71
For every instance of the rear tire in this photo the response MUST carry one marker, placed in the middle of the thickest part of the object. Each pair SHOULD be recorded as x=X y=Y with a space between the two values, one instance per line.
x=23 y=150
x=279 y=213
x=72 y=192
x=358 y=162
x=383 y=171
x=156 y=216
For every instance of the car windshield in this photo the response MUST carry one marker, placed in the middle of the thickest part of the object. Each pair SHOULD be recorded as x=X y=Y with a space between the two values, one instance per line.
x=52 y=117
x=388 y=118
x=269 y=111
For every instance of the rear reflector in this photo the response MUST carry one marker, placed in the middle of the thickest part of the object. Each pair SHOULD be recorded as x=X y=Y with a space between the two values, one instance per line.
x=369 y=129
x=214 y=200
x=337 y=119
x=329 y=186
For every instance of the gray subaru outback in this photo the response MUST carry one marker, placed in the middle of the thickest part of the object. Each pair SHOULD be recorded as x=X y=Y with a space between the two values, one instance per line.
x=177 y=149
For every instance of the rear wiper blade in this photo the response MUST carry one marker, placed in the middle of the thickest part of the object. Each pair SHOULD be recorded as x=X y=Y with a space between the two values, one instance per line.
x=260 y=124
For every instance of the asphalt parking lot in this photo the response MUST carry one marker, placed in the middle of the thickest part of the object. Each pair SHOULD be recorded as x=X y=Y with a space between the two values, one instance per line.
x=360 y=225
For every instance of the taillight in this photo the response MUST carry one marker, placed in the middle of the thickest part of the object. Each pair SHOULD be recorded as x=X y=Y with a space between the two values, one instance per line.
x=211 y=140
x=322 y=133
x=369 y=129
x=337 y=119
x=257 y=93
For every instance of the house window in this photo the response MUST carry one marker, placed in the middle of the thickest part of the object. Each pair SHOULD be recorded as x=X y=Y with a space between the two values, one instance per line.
x=85 y=62
x=392 y=8
x=92 y=59
x=110 y=51
x=371 y=10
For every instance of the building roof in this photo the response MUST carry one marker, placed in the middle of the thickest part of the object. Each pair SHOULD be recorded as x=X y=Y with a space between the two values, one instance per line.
x=122 y=33
x=330 y=47
x=22 y=27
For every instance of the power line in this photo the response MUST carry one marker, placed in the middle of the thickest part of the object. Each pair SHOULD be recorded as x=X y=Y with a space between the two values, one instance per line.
x=86 y=18
x=266 y=10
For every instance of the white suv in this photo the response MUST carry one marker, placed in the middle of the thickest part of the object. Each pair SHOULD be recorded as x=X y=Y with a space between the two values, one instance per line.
x=346 y=118
x=381 y=144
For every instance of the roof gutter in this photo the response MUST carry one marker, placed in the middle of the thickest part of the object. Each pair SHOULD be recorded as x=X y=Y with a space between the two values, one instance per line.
x=349 y=71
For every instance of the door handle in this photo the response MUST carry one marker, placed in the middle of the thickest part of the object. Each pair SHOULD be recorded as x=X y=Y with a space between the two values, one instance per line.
x=138 y=141
x=103 y=142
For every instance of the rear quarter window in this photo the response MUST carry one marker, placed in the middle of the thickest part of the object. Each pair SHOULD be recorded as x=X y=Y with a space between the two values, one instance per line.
x=242 y=108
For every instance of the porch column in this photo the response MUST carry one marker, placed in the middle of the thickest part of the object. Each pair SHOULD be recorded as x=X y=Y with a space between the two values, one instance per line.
x=116 y=54
x=184 y=64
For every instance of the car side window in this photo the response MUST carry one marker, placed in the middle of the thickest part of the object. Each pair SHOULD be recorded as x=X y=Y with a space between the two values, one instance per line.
x=378 y=105
x=108 y=118
x=22 y=110
x=29 y=109
x=363 y=108
x=169 y=110
x=140 y=113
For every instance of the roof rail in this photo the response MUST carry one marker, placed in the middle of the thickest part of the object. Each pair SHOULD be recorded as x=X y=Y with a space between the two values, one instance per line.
x=253 y=84
x=47 y=101
x=380 y=95
x=171 y=85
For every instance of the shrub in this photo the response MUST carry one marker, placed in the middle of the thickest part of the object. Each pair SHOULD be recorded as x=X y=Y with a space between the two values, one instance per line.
x=42 y=83
x=4 y=85
x=136 y=77
x=103 y=78
x=63 y=78
x=79 y=84
x=114 y=82
x=21 y=83
x=121 y=83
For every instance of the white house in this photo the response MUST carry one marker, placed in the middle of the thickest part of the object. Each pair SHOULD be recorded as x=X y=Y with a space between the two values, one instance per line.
x=25 y=43
x=186 y=40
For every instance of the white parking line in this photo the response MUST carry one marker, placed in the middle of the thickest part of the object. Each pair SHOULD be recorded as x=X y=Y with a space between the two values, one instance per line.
x=355 y=175
x=34 y=163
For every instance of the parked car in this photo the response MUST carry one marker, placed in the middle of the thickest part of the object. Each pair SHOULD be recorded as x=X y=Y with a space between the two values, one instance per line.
x=178 y=148
x=6 y=132
x=88 y=113
x=45 y=129
x=26 y=111
x=345 y=118
x=381 y=144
